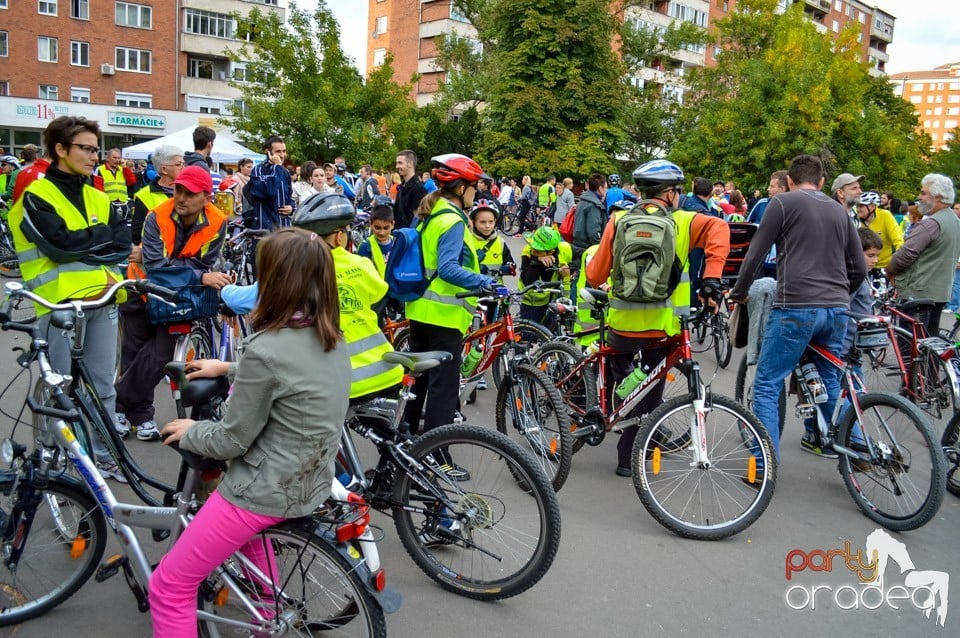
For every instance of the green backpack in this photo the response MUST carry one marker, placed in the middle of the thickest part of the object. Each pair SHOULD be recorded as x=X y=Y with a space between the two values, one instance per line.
x=646 y=268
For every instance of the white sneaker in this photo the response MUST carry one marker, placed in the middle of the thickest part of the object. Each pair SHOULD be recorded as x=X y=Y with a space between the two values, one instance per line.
x=482 y=383
x=121 y=425
x=148 y=431
x=109 y=469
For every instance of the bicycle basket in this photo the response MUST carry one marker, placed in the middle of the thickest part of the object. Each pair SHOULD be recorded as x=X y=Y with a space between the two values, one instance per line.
x=194 y=300
x=870 y=336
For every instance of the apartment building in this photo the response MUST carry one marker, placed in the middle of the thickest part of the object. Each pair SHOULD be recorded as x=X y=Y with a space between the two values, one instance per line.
x=141 y=68
x=935 y=93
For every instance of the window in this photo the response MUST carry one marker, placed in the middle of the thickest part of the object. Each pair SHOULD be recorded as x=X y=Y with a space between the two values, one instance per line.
x=200 y=68
x=4 y=51
x=836 y=26
x=240 y=73
x=939 y=86
x=47 y=8
x=953 y=110
x=936 y=124
x=929 y=112
x=218 y=25
x=46 y=49
x=80 y=9
x=933 y=136
x=380 y=26
x=926 y=124
x=955 y=86
x=916 y=86
x=379 y=57
x=239 y=108
x=916 y=99
x=862 y=17
x=688 y=14
x=929 y=99
x=49 y=92
x=4 y=84
x=455 y=14
x=134 y=15
x=951 y=124
x=79 y=95
x=3 y=5
x=140 y=100
x=838 y=6
x=932 y=85
x=953 y=99
x=80 y=53
x=136 y=60
x=938 y=110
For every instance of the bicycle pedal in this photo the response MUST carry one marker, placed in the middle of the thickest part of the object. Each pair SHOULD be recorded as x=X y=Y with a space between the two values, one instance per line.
x=110 y=567
x=806 y=410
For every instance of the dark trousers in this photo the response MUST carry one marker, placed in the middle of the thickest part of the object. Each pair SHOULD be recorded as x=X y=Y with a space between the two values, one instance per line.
x=652 y=351
x=441 y=384
x=144 y=350
x=533 y=313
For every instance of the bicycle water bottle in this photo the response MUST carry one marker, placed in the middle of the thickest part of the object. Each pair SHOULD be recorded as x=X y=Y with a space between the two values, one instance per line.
x=630 y=384
x=811 y=377
x=469 y=363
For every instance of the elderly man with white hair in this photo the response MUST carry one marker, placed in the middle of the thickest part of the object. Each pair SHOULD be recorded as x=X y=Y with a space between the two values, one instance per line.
x=923 y=267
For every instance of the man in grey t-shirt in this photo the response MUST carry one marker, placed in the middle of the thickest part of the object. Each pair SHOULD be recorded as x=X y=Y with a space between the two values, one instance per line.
x=819 y=263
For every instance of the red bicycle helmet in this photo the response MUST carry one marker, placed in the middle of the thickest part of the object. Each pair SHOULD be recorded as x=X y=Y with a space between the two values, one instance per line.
x=453 y=166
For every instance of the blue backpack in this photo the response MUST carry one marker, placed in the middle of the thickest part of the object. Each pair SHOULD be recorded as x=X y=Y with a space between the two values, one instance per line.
x=405 y=273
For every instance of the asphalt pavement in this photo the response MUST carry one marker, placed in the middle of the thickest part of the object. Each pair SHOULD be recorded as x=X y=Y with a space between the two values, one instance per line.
x=618 y=572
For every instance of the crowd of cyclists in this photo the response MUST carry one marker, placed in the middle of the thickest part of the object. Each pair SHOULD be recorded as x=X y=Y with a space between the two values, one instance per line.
x=320 y=296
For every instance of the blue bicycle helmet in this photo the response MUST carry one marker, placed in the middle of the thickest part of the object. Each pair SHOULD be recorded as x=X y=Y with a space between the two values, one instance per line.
x=657 y=176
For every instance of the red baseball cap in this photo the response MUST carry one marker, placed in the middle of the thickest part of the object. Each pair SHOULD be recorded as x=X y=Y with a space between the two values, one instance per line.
x=195 y=179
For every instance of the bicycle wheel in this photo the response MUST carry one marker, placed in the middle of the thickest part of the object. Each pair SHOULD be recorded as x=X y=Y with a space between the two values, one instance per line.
x=530 y=411
x=722 y=348
x=950 y=442
x=509 y=223
x=9 y=263
x=489 y=537
x=531 y=336
x=314 y=588
x=694 y=500
x=743 y=391
x=51 y=568
x=579 y=392
x=899 y=481
x=401 y=340
x=936 y=387
x=881 y=371
x=199 y=346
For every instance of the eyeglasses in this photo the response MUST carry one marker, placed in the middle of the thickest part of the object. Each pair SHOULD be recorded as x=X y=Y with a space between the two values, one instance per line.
x=180 y=164
x=86 y=148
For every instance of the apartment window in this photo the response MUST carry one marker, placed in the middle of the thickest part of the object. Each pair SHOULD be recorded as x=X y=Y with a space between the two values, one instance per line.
x=916 y=86
x=932 y=86
x=836 y=26
x=4 y=84
x=134 y=15
x=240 y=73
x=936 y=124
x=3 y=4
x=4 y=44
x=838 y=6
x=455 y=13
x=379 y=57
x=951 y=124
x=953 y=110
x=47 y=7
x=947 y=137
x=136 y=60
x=933 y=136
x=929 y=112
x=916 y=99
x=926 y=124
x=80 y=9
x=217 y=25
x=862 y=17
x=380 y=26
x=139 y=100
x=938 y=110
x=49 y=92
x=79 y=95
x=687 y=14
x=929 y=99
x=939 y=86
x=80 y=53
x=200 y=68
x=239 y=108
x=955 y=86
x=46 y=49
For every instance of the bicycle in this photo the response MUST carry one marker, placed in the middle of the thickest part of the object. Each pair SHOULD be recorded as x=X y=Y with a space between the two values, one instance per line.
x=882 y=440
x=690 y=467
x=488 y=536
x=9 y=262
x=309 y=582
x=717 y=325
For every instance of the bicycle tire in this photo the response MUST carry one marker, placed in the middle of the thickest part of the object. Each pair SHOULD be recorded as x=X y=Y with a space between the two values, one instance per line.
x=722 y=348
x=345 y=605
x=509 y=223
x=499 y=510
x=579 y=393
x=532 y=335
x=954 y=331
x=939 y=396
x=401 y=339
x=727 y=479
x=46 y=545
x=903 y=469
x=950 y=443
x=9 y=262
x=881 y=371
x=530 y=412
x=743 y=392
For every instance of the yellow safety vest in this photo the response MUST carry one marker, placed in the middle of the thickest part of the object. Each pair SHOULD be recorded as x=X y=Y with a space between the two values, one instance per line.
x=115 y=186
x=151 y=199
x=585 y=320
x=59 y=281
x=376 y=254
x=493 y=256
x=546 y=195
x=359 y=288
x=627 y=316
x=439 y=305
x=564 y=256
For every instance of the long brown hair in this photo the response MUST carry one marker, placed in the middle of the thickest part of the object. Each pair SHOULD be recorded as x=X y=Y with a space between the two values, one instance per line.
x=296 y=274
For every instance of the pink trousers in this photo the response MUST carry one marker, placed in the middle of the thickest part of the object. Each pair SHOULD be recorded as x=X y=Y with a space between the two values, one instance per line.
x=218 y=530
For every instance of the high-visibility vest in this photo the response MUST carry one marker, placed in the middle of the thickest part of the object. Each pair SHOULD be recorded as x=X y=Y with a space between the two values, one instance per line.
x=376 y=254
x=150 y=199
x=114 y=185
x=627 y=316
x=492 y=257
x=542 y=298
x=197 y=242
x=439 y=305
x=359 y=287
x=546 y=195
x=585 y=320
x=68 y=280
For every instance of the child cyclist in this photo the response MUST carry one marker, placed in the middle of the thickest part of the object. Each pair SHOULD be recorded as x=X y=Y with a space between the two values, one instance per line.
x=492 y=251
x=545 y=258
x=377 y=246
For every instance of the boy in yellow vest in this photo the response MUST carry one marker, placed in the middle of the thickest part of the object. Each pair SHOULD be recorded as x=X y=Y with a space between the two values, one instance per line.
x=377 y=247
x=545 y=258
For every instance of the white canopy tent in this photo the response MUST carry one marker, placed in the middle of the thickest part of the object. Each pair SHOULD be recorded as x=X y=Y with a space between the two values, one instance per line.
x=226 y=150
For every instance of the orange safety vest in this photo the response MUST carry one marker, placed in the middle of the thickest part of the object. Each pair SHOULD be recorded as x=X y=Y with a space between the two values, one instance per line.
x=168 y=232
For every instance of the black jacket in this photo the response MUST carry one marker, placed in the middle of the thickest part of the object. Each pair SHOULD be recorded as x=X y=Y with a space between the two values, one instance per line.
x=590 y=220
x=408 y=199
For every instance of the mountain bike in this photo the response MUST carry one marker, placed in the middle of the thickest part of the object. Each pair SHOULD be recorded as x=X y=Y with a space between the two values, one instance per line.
x=690 y=467
x=717 y=326
x=53 y=531
x=489 y=533
x=9 y=262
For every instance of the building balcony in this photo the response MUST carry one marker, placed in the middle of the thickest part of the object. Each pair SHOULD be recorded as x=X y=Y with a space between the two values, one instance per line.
x=205 y=45
x=205 y=86
x=229 y=6
x=882 y=56
x=883 y=32
x=819 y=7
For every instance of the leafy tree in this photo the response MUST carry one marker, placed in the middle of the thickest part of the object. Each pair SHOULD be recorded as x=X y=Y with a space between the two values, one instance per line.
x=946 y=161
x=781 y=88
x=302 y=87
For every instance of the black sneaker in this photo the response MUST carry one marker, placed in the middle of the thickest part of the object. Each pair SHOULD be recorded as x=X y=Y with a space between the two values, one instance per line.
x=623 y=471
x=810 y=442
x=454 y=472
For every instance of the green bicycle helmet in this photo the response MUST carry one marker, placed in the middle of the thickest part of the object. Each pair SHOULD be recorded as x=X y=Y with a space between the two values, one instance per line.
x=545 y=238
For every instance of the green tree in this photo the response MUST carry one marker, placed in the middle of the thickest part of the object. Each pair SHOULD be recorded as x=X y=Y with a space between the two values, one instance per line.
x=781 y=88
x=946 y=161
x=302 y=87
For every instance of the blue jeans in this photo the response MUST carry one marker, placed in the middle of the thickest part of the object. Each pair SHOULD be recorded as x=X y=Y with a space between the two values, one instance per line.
x=954 y=303
x=787 y=334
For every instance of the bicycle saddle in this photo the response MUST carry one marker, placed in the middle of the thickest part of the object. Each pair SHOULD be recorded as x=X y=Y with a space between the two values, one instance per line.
x=197 y=392
x=62 y=319
x=594 y=296
x=916 y=305
x=418 y=361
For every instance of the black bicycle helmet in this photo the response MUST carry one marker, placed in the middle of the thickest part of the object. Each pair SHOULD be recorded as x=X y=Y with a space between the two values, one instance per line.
x=656 y=176
x=613 y=180
x=380 y=200
x=324 y=213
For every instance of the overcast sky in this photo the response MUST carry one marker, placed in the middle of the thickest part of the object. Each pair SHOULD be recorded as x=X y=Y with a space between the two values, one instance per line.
x=926 y=33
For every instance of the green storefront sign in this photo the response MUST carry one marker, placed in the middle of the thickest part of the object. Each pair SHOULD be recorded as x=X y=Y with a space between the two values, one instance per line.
x=140 y=121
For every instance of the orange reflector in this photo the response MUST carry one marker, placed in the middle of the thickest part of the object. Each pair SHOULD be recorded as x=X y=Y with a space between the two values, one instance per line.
x=380 y=580
x=573 y=427
x=222 y=596
x=77 y=547
x=655 y=460
x=519 y=403
x=553 y=446
x=671 y=376
x=752 y=470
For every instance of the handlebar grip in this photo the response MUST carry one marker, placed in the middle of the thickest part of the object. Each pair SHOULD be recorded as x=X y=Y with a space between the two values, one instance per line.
x=470 y=293
x=148 y=287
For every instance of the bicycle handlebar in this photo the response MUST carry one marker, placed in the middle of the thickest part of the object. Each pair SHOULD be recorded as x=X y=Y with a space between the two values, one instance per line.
x=15 y=289
x=503 y=291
